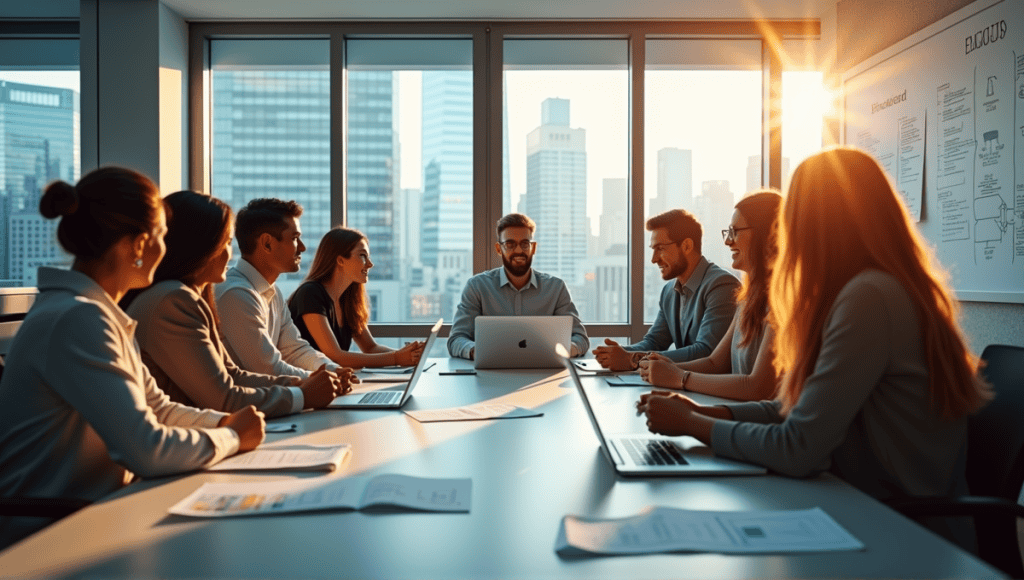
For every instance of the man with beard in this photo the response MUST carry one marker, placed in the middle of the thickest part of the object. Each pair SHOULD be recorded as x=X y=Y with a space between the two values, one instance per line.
x=515 y=289
x=697 y=304
x=257 y=330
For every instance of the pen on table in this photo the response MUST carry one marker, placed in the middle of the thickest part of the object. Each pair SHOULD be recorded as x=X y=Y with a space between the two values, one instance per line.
x=458 y=372
x=281 y=427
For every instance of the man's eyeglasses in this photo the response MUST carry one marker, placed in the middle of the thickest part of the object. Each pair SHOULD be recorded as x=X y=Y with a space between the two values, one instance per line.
x=511 y=245
x=730 y=234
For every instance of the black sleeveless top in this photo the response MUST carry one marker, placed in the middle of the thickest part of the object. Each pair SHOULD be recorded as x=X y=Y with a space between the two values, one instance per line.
x=312 y=298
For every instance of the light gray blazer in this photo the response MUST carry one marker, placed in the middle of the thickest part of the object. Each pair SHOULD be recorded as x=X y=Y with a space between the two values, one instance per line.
x=188 y=359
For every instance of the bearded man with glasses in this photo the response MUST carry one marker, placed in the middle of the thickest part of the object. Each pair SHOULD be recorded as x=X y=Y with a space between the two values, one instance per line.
x=515 y=289
x=697 y=304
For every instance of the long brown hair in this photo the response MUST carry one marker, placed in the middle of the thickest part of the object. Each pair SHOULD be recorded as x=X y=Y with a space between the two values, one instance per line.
x=761 y=210
x=340 y=241
x=842 y=216
x=198 y=227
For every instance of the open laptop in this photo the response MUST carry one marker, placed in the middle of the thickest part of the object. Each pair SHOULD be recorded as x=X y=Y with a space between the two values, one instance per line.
x=520 y=342
x=386 y=398
x=640 y=454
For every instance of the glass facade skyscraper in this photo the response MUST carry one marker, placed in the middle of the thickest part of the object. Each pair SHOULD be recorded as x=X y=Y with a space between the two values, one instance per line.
x=447 y=167
x=372 y=167
x=556 y=192
x=39 y=128
x=271 y=138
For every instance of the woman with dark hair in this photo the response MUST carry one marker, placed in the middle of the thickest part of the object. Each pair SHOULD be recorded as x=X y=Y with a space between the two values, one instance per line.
x=330 y=308
x=80 y=415
x=877 y=381
x=741 y=365
x=178 y=325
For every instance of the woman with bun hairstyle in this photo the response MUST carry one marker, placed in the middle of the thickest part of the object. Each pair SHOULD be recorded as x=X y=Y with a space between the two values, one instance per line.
x=178 y=325
x=740 y=367
x=331 y=310
x=80 y=415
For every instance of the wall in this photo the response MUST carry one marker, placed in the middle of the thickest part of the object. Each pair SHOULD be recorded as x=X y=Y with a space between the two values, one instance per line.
x=888 y=23
x=984 y=322
x=133 y=87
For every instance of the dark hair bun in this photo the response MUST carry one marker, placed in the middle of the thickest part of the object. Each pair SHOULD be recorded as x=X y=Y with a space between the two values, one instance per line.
x=60 y=199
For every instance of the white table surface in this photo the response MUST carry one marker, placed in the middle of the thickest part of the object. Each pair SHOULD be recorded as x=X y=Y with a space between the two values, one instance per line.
x=527 y=474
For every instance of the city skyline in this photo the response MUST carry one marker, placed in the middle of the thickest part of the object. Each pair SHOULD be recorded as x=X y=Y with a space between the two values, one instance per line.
x=270 y=140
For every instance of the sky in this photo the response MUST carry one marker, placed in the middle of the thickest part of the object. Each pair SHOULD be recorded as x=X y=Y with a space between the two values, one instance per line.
x=716 y=114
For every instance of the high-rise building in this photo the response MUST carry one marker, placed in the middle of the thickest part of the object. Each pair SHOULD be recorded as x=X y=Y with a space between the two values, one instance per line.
x=714 y=209
x=675 y=181
x=614 y=214
x=38 y=143
x=271 y=138
x=556 y=192
x=372 y=169
x=755 y=171
x=33 y=243
x=446 y=228
x=447 y=167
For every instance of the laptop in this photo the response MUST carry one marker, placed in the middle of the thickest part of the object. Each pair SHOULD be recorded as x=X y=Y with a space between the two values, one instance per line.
x=390 y=398
x=520 y=342
x=643 y=454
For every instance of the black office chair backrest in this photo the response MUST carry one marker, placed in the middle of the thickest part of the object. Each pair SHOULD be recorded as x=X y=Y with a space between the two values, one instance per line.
x=995 y=439
x=995 y=456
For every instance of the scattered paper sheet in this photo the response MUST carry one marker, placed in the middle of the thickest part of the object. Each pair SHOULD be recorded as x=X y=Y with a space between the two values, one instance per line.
x=477 y=412
x=389 y=374
x=296 y=457
x=660 y=529
x=215 y=500
x=627 y=380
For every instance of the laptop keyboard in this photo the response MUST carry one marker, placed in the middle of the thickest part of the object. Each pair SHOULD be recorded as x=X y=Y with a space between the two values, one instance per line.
x=377 y=398
x=653 y=452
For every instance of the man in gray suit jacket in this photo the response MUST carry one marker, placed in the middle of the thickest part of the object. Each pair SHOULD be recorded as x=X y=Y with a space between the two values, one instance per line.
x=697 y=304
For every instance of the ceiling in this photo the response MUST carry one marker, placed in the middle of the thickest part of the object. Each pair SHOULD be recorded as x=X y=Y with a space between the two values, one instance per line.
x=497 y=9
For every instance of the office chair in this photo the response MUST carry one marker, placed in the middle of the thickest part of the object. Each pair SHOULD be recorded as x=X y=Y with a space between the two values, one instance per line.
x=40 y=507
x=995 y=465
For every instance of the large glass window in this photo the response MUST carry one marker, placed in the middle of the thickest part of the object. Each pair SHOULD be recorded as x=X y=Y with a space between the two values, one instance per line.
x=805 y=102
x=39 y=143
x=409 y=171
x=703 y=128
x=271 y=130
x=417 y=107
x=567 y=120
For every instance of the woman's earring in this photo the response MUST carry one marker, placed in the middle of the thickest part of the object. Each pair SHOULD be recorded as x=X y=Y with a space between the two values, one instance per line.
x=137 y=263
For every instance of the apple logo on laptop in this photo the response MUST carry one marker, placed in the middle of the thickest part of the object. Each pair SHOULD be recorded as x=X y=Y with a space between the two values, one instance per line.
x=522 y=343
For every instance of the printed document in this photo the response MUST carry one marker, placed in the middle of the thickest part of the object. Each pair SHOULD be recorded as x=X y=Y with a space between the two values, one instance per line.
x=477 y=412
x=296 y=457
x=215 y=500
x=660 y=529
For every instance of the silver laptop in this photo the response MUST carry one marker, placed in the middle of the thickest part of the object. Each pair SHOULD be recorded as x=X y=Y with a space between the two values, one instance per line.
x=388 y=397
x=520 y=342
x=640 y=454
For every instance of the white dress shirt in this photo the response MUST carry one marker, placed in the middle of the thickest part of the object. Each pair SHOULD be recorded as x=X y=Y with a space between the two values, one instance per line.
x=257 y=328
x=79 y=411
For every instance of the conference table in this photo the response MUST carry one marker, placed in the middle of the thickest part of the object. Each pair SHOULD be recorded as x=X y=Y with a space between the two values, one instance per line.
x=527 y=474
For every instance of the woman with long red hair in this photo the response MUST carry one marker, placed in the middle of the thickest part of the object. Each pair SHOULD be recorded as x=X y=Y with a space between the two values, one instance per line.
x=876 y=379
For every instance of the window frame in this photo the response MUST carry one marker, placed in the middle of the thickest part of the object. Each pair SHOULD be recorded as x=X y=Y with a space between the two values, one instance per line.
x=488 y=67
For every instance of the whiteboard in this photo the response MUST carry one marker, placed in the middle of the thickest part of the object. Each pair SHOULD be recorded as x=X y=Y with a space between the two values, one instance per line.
x=943 y=112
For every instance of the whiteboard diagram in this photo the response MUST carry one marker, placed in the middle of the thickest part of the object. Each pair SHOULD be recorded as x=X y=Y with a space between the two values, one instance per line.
x=964 y=76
